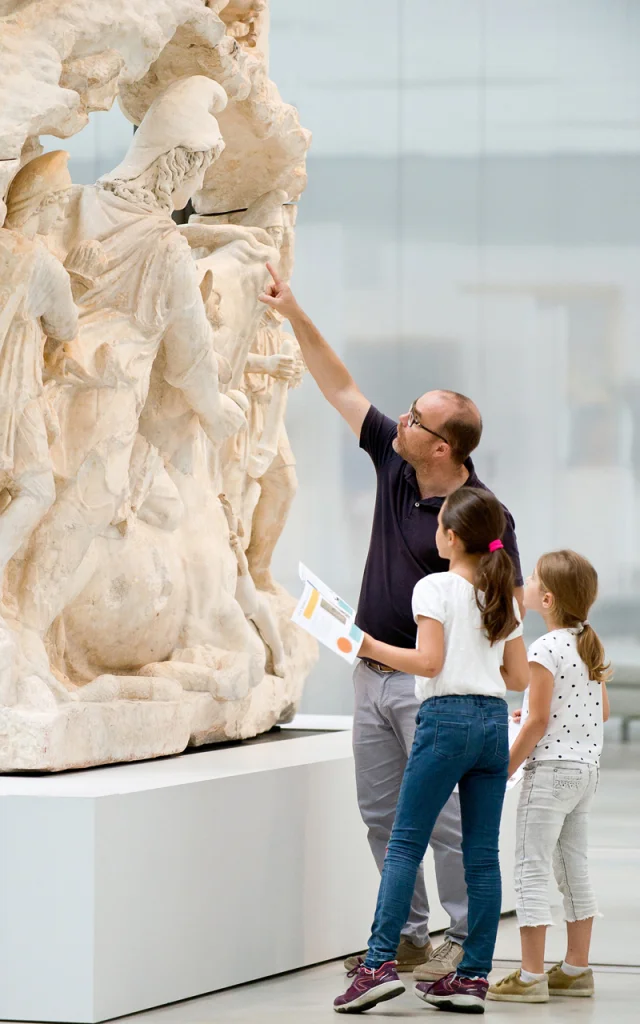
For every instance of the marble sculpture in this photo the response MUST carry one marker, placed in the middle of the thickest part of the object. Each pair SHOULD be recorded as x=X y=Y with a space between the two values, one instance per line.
x=145 y=469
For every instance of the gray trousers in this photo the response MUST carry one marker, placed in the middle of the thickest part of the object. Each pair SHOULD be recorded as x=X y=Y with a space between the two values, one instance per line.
x=384 y=725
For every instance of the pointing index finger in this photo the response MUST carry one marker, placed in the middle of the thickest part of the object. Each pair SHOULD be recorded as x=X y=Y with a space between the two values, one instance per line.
x=273 y=273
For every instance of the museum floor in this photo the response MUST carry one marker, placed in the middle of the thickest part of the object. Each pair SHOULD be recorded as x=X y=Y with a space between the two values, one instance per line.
x=306 y=996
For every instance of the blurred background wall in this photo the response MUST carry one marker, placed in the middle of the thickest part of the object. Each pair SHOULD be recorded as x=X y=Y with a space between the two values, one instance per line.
x=472 y=221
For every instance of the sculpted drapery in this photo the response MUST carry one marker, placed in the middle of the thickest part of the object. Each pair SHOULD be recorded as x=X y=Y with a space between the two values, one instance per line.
x=142 y=383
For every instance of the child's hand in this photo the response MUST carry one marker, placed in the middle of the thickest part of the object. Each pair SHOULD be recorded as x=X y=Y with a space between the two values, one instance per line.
x=517 y=715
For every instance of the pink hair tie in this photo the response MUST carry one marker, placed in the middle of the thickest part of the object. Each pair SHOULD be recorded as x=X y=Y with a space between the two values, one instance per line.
x=495 y=545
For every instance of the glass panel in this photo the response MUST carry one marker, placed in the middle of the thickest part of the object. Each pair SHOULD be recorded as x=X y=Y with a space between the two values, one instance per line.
x=473 y=221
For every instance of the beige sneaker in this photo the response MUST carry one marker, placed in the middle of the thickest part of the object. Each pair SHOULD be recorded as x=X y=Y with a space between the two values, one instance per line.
x=561 y=984
x=408 y=956
x=354 y=961
x=513 y=989
x=442 y=961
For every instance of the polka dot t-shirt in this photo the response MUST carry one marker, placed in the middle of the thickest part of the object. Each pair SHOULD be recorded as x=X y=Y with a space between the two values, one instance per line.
x=574 y=732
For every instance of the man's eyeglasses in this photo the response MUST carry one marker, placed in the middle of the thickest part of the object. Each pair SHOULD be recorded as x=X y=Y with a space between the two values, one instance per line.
x=414 y=419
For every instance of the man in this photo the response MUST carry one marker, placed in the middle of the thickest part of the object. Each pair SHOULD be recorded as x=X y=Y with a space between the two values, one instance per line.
x=419 y=461
x=35 y=304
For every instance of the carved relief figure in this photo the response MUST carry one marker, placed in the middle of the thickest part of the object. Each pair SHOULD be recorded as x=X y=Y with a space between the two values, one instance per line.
x=35 y=304
x=255 y=605
x=138 y=507
x=273 y=365
x=136 y=287
x=258 y=466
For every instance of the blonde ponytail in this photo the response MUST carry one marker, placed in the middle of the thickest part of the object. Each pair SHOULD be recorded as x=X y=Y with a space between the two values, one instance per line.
x=574 y=584
x=591 y=651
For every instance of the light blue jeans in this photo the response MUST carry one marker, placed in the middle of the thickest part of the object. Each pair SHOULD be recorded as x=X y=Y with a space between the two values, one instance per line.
x=459 y=740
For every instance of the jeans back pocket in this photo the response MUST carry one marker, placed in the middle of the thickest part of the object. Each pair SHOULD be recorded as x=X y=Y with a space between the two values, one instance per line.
x=567 y=781
x=451 y=739
x=502 y=741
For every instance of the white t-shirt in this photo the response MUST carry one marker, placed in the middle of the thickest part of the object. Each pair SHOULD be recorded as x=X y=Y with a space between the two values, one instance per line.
x=575 y=727
x=471 y=664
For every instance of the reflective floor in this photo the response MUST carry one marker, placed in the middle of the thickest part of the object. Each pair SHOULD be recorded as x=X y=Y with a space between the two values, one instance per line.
x=306 y=996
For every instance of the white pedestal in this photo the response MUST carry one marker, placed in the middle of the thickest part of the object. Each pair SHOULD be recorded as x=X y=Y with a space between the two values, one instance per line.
x=128 y=887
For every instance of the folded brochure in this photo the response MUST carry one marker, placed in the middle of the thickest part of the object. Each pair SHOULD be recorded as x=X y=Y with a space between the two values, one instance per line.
x=328 y=618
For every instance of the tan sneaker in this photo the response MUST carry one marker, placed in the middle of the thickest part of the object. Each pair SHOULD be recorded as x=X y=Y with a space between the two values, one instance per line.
x=354 y=961
x=513 y=989
x=408 y=956
x=561 y=984
x=442 y=961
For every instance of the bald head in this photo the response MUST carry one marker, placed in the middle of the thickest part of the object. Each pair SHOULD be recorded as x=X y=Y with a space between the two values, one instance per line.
x=460 y=421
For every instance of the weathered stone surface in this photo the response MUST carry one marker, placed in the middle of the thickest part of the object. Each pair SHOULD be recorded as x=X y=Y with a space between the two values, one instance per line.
x=265 y=144
x=59 y=59
x=145 y=473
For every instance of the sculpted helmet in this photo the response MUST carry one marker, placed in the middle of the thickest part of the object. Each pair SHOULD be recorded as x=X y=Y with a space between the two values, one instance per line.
x=42 y=180
x=181 y=116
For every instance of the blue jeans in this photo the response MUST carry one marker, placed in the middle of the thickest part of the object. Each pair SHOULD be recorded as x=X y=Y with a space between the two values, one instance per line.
x=460 y=740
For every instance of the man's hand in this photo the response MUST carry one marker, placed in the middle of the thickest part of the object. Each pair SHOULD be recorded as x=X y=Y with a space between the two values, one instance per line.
x=326 y=368
x=517 y=715
x=279 y=296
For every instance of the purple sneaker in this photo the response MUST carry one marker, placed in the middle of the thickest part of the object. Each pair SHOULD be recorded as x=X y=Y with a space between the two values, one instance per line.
x=369 y=987
x=462 y=995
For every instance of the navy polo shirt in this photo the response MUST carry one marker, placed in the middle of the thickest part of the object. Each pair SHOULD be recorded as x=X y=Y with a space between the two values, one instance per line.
x=403 y=538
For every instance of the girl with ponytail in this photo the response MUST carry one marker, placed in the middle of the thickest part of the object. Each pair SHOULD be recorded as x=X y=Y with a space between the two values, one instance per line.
x=469 y=651
x=560 y=741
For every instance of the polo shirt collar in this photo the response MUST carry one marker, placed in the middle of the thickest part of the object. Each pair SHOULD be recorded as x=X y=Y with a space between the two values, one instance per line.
x=410 y=477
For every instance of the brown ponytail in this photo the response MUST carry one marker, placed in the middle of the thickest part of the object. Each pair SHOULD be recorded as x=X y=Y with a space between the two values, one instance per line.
x=573 y=582
x=477 y=518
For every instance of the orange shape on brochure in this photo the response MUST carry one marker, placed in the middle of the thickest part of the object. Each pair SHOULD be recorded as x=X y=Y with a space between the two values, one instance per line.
x=311 y=605
x=345 y=645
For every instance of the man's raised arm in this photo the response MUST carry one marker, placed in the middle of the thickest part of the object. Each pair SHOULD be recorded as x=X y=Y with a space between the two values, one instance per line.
x=328 y=371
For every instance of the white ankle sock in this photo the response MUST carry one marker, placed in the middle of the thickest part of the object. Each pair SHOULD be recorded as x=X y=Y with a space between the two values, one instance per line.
x=572 y=971
x=528 y=977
